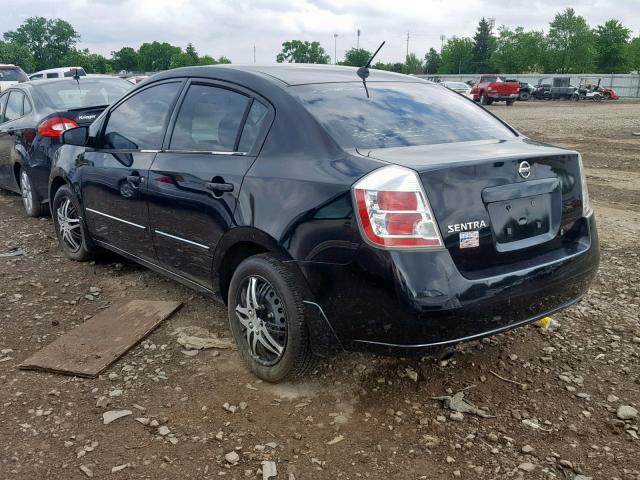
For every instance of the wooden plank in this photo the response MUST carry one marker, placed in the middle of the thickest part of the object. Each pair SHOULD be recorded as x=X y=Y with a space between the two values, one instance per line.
x=90 y=348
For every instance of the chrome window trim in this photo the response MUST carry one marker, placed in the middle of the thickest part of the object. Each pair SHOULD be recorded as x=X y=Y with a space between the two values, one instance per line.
x=115 y=218
x=180 y=239
x=204 y=152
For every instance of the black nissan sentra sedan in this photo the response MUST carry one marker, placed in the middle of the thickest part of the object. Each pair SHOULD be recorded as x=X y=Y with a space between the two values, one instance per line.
x=328 y=213
x=32 y=117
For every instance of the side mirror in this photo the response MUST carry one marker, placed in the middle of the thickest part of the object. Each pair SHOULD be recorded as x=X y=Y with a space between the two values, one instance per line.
x=75 y=136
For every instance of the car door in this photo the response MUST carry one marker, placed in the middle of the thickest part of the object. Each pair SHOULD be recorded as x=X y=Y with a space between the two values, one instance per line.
x=12 y=111
x=195 y=180
x=113 y=177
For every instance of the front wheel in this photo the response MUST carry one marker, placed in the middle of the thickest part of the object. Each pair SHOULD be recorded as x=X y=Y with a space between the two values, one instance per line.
x=597 y=97
x=30 y=199
x=69 y=227
x=266 y=318
x=524 y=96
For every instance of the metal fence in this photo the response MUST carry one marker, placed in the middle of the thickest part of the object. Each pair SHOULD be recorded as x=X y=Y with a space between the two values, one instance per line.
x=625 y=85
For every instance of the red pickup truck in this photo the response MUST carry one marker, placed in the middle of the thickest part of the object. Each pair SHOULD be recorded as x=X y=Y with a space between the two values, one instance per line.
x=493 y=88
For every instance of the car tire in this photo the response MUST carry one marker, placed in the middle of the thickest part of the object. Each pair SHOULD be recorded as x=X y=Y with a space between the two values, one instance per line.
x=510 y=103
x=266 y=317
x=69 y=226
x=575 y=97
x=597 y=98
x=31 y=201
x=483 y=99
x=524 y=96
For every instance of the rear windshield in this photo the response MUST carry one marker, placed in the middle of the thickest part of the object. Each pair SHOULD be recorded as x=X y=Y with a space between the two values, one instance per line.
x=397 y=114
x=69 y=94
x=12 y=75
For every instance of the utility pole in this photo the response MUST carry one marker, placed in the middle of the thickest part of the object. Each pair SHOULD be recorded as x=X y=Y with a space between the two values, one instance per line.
x=407 y=45
x=442 y=37
x=335 y=48
x=254 y=53
x=358 y=41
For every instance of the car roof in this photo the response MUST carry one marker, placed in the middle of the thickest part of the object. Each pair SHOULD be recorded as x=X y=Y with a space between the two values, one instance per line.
x=56 y=70
x=290 y=74
x=8 y=65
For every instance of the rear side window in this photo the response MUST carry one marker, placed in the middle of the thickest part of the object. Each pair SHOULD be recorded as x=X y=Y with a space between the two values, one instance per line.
x=209 y=120
x=52 y=75
x=397 y=114
x=139 y=122
x=253 y=126
x=14 y=107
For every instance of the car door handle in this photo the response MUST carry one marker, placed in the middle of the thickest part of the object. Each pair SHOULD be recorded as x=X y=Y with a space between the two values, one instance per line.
x=219 y=188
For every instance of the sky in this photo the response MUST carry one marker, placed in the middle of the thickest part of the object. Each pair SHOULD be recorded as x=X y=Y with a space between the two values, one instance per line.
x=233 y=27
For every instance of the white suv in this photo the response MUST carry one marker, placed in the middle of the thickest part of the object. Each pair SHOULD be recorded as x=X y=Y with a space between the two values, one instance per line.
x=58 y=73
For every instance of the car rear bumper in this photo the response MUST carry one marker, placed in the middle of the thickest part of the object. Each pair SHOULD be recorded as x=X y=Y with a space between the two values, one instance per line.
x=502 y=96
x=412 y=302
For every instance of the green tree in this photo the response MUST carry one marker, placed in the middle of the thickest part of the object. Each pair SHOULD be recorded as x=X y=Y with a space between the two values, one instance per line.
x=299 y=51
x=610 y=45
x=18 y=55
x=222 y=59
x=48 y=40
x=125 y=59
x=412 y=64
x=571 y=44
x=483 y=46
x=156 y=56
x=356 y=57
x=191 y=51
x=457 y=56
x=632 y=54
x=183 y=59
x=91 y=62
x=518 y=51
x=432 y=61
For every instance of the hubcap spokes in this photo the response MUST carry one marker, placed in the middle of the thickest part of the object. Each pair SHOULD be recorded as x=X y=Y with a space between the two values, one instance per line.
x=263 y=320
x=25 y=188
x=69 y=225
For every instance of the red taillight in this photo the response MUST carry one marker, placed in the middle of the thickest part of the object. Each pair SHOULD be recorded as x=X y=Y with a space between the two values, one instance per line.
x=393 y=210
x=54 y=126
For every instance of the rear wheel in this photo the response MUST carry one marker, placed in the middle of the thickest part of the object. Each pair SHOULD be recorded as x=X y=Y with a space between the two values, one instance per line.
x=597 y=97
x=267 y=321
x=510 y=103
x=30 y=199
x=524 y=96
x=483 y=99
x=69 y=227
x=575 y=97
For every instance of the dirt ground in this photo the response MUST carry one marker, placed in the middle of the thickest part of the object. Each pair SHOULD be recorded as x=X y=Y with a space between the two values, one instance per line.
x=553 y=397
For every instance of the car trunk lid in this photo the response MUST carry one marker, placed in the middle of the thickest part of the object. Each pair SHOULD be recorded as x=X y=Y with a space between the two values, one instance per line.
x=496 y=201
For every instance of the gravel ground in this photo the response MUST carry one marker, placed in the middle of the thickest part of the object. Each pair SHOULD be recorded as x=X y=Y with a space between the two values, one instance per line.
x=561 y=405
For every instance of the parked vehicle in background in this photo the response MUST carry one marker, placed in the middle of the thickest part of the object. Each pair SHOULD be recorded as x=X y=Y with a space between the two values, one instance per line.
x=32 y=117
x=556 y=88
x=11 y=74
x=493 y=88
x=61 y=72
x=135 y=79
x=330 y=207
x=588 y=90
x=459 y=87
x=592 y=84
x=526 y=89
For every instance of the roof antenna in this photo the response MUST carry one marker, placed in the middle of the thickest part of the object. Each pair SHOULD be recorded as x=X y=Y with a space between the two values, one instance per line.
x=363 y=72
x=76 y=77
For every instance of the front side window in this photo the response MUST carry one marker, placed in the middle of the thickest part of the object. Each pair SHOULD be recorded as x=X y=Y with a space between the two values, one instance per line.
x=14 y=107
x=397 y=114
x=140 y=121
x=209 y=120
x=53 y=75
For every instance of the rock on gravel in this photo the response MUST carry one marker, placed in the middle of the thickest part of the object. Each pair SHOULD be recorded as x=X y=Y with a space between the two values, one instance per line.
x=232 y=457
x=269 y=470
x=626 y=412
x=112 y=415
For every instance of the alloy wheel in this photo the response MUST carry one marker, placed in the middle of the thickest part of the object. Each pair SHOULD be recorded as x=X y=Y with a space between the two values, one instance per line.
x=69 y=225
x=263 y=319
x=26 y=191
